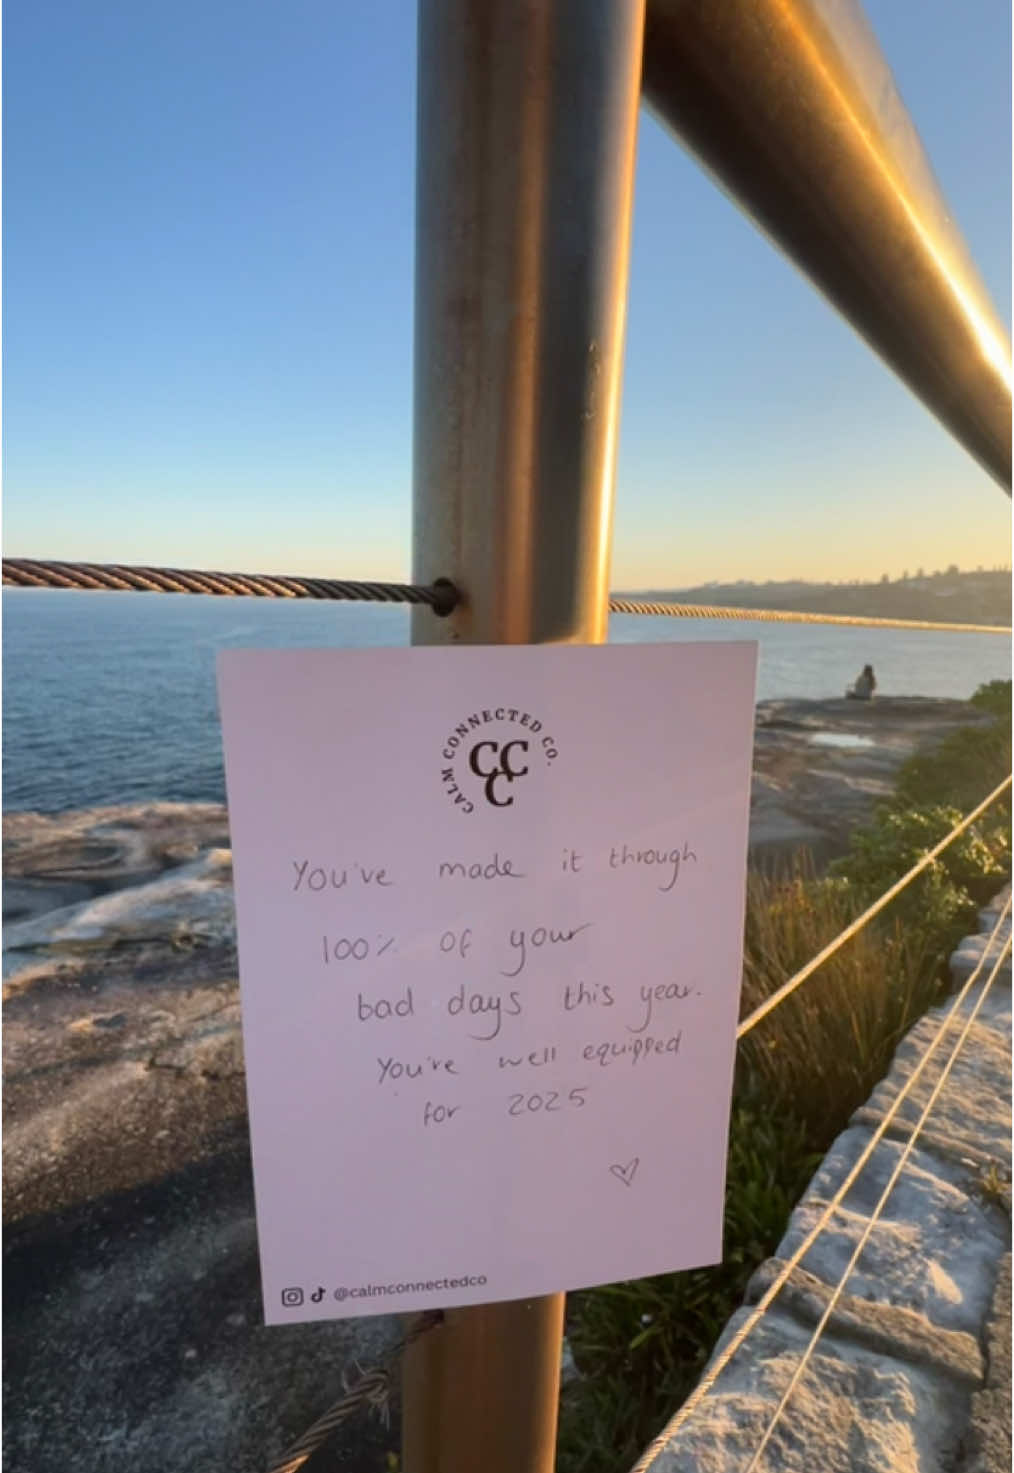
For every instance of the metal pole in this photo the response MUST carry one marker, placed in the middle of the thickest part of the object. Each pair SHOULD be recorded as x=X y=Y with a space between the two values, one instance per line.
x=527 y=122
x=526 y=136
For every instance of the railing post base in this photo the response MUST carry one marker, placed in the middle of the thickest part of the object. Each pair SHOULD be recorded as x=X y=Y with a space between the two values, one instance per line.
x=481 y=1390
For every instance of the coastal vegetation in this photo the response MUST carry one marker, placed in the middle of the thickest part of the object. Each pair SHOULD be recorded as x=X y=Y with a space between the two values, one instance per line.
x=948 y=595
x=640 y=1347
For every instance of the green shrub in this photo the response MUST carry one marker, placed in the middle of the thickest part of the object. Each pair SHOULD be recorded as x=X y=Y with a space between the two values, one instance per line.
x=994 y=697
x=968 y=764
x=970 y=866
x=960 y=772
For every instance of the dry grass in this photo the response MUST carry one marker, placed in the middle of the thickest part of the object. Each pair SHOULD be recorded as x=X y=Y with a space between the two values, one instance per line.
x=823 y=1050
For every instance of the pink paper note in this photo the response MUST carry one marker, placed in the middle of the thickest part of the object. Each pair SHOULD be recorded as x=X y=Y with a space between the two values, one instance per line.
x=490 y=907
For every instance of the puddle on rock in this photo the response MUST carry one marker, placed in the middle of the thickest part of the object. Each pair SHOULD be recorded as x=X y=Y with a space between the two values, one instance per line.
x=840 y=739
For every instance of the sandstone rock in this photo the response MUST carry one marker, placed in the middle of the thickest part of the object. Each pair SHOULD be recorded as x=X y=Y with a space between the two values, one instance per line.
x=190 y=905
x=854 y=1411
x=887 y=1329
x=974 y=950
x=820 y=767
x=971 y=1120
x=990 y=913
x=988 y=1440
x=933 y=1252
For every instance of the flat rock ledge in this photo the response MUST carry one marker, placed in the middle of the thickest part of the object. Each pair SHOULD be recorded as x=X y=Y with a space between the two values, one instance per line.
x=912 y=1371
x=820 y=767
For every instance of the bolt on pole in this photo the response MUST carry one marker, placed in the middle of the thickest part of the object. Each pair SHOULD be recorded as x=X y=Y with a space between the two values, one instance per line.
x=527 y=127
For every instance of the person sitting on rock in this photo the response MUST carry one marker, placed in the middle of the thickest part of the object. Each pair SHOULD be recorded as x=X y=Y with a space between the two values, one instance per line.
x=865 y=685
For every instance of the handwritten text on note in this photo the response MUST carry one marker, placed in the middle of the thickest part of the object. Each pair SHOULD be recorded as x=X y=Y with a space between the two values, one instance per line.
x=490 y=906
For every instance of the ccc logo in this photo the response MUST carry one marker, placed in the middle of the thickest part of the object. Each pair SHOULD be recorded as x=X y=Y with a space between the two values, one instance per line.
x=492 y=770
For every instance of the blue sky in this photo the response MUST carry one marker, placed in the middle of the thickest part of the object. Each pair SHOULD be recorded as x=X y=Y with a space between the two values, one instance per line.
x=209 y=221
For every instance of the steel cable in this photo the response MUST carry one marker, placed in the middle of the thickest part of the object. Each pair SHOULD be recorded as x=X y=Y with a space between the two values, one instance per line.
x=618 y=605
x=372 y=1389
x=442 y=595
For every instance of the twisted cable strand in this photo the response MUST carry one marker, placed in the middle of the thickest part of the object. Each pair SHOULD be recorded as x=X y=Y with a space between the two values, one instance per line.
x=442 y=596
x=618 y=605
x=372 y=1390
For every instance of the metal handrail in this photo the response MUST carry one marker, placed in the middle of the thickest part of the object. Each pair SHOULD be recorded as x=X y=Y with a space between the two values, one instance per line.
x=792 y=107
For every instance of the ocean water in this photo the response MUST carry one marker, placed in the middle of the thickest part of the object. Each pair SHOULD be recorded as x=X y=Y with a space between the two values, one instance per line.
x=110 y=698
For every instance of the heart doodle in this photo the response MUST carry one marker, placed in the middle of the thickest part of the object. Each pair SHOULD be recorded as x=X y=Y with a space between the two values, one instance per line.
x=626 y=1173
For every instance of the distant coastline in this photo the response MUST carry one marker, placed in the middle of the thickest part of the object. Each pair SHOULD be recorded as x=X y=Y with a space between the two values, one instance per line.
x=982 y=597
